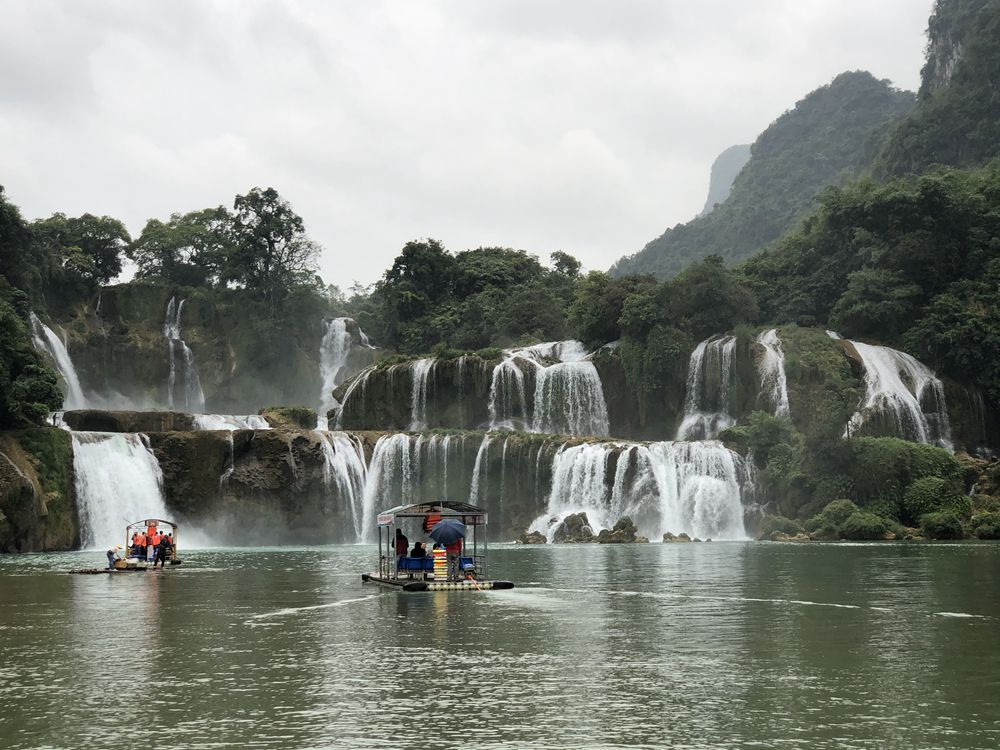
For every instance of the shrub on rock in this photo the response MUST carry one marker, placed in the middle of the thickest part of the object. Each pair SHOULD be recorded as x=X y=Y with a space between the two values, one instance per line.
x=944 y=524
x=861 y=526
x=773 y=525
x=985 y=525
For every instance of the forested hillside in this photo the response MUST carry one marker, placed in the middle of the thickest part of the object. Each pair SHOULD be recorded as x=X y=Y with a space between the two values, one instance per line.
x=957 y=118
x=828 y=138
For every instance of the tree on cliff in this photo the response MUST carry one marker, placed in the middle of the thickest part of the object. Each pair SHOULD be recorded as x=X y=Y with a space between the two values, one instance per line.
x=188 y=249
x=270 y=251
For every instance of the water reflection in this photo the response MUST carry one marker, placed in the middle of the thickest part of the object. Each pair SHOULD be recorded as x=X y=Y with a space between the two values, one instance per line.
x=710 y=645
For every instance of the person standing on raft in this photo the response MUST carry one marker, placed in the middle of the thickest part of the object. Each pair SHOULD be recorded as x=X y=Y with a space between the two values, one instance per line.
x=112 y=556
x=402 y=546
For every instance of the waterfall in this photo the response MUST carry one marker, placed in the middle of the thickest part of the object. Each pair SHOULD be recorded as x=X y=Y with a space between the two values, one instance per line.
x=360 y=381
x=421 y=371
x=479 y=469
x=578 y=486
x=229 y=422
x=46 y=341
x=773 y=384
x=709 y=384
x=903 y=398
x=194 y=398
x=696 y=488
x=333 y=352
x=390 y=479
x=508 y=405
x=118 y=481
x=344 y=472
x=568 y=397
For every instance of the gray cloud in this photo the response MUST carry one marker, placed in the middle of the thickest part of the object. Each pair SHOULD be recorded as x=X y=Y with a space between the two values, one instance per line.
x=584 y=126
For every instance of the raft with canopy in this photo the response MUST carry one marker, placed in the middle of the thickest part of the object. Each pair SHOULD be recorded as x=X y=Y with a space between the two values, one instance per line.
x=132 y=563
x=446 y=522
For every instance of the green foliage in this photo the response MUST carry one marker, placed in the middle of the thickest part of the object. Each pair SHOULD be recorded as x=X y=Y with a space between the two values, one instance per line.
x=957 y=117
x=837 y=512
x=931 y=494
x=490 y=296
x=913 y=263
x=270 y=251
x=863 y=526
x=826 y=139
x=985 y=525
x=188 y=249
x=778 y=525
x=944 y=524
x=706 y=298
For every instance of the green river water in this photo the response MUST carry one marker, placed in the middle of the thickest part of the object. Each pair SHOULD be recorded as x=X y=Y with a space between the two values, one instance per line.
x=719 y=645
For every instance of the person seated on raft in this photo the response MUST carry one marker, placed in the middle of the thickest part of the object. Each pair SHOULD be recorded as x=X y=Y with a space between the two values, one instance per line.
x=418 y=550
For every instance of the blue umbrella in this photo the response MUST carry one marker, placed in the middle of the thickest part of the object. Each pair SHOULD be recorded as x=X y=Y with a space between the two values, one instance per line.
x=447 y=531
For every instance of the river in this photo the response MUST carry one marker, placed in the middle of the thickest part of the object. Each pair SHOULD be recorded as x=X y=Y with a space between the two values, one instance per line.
x=718 y=645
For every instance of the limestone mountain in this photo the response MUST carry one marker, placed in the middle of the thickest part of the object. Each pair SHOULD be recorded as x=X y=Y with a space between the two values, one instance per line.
x=828 y=138
x=957 y=118
x=724 y=170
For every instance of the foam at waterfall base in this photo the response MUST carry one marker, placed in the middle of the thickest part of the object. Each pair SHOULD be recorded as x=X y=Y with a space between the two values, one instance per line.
x=692 y=487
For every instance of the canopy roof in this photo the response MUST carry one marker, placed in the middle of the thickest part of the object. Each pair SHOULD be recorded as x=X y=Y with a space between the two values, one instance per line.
x=445 y=508
x=153 y=522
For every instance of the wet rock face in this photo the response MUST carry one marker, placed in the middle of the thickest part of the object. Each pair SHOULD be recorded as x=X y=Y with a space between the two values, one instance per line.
x=37 y=512
x=623 y=532
x=95 y=420
x=253 y=486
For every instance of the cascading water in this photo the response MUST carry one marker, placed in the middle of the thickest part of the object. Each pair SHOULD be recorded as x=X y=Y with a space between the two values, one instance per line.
x=508 y=402
x=333 y=352
x=903 y=398
x=344 y=473
x=696 y=488
x=568 y=397
x=194 y=398
x=46 y=341
x=422 y=372
x=229 y=422
x=709 y=384
x=357 y=386
x=479 y=469
x=773 y=383
x=118 y=481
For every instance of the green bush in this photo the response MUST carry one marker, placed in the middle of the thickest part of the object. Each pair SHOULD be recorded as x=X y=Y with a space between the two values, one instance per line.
x=933 y=494
x=985 y=526
x=778 y=524
x=863 y=526
x=944 y=524
x=835 y=513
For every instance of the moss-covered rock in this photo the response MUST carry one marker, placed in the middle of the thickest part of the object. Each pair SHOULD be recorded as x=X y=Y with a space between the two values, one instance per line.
x=37 y=508
x=290 y=417
x=623 y=532
x=772 y=526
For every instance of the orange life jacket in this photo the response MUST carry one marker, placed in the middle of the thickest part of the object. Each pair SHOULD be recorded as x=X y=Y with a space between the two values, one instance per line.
x=155 y=541
x=430 y=521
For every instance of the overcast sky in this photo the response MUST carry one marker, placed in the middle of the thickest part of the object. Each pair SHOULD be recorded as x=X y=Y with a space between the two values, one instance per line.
x=581 y=126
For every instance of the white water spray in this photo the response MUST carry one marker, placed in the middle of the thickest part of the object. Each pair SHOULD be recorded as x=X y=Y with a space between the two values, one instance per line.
x=46 y=341
x=118 y=481
x=194 y=398
x=902 y=396
x=773 y=383
x=709 y=384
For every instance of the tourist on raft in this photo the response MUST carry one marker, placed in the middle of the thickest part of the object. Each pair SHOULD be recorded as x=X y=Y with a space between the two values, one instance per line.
x=402 y=546
x=112 y=556
x=453 y=551
x=162 y=550
x=418 y=550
